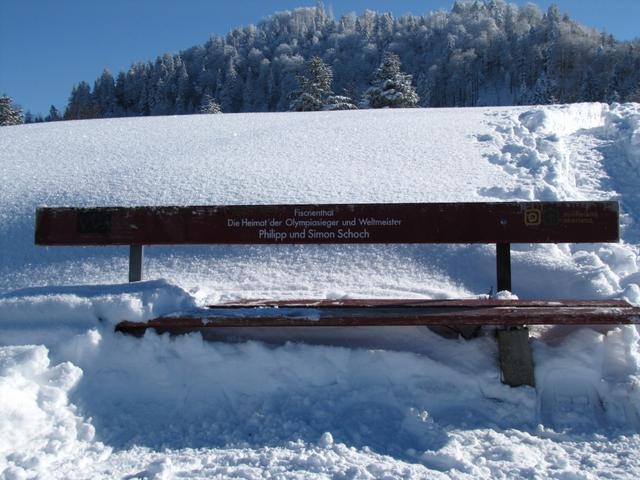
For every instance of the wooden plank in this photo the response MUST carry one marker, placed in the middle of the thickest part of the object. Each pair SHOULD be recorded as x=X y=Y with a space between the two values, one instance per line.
x=507 y=315
x=503 y=222
x=411 y=303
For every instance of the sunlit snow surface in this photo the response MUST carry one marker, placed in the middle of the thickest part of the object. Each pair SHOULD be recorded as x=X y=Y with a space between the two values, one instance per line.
x=78 y=401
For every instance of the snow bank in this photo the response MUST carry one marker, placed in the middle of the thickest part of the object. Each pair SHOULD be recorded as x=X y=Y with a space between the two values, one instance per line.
x=46 y=315
x=85 y=306
x=593 y=378
x=185 y=392
x=622 y=124
x=40 y=430
x=172 y=407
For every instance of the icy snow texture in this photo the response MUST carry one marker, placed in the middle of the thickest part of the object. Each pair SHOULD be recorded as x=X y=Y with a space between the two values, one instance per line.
x=39 y=428
x=179 y=407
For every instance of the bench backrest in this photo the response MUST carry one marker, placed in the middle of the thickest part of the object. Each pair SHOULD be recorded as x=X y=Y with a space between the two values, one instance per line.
x=500 y=223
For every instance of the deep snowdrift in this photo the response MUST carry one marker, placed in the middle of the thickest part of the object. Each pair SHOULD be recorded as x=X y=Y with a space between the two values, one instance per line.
x=79 y=401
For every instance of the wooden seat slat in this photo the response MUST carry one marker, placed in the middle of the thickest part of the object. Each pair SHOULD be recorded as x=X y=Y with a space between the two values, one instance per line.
x=472 y=313
x=412 y=303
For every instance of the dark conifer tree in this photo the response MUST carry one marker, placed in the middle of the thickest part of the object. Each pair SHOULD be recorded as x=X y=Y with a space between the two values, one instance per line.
x=54 y=115
x=81 y=104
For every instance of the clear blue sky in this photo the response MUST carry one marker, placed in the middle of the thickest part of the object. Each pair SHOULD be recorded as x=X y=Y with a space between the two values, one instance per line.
x=46 y=46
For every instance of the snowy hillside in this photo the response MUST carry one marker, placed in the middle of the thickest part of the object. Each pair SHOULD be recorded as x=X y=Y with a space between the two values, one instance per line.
x=79 y=401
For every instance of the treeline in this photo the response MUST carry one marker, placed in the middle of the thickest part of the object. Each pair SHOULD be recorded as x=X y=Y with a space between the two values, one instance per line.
x=479 y=53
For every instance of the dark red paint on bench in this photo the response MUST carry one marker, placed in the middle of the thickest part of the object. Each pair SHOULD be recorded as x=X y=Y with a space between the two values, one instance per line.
x=370 y=313
x=502 y=222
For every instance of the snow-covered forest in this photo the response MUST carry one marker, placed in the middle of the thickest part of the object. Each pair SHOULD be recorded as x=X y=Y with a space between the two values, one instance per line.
x=479 y=53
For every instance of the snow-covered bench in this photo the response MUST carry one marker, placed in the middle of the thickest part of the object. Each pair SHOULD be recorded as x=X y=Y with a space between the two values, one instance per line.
x=500 y=223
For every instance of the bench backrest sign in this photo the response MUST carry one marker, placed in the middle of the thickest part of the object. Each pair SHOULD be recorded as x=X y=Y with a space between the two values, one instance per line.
x=501 y=222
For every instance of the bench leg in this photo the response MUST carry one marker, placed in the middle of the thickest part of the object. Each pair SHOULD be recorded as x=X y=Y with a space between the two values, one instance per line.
x=516 y=361
x=136 y=253
x=503 y=267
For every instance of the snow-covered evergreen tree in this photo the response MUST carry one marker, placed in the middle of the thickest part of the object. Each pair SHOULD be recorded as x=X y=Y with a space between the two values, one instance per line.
x=315 y=87
x=209 y=105
x=543 y=92
x=10 y=114
x=339 y=102
x=391 y=87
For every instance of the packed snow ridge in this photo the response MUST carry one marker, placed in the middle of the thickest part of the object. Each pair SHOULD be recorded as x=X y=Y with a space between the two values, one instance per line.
x=80 y=401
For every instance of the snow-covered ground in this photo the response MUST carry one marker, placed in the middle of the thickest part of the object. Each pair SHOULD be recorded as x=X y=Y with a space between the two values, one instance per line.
x=78 y=401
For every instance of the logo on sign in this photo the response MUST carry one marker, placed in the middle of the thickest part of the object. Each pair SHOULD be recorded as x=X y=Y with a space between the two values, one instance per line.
x=532 y=217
